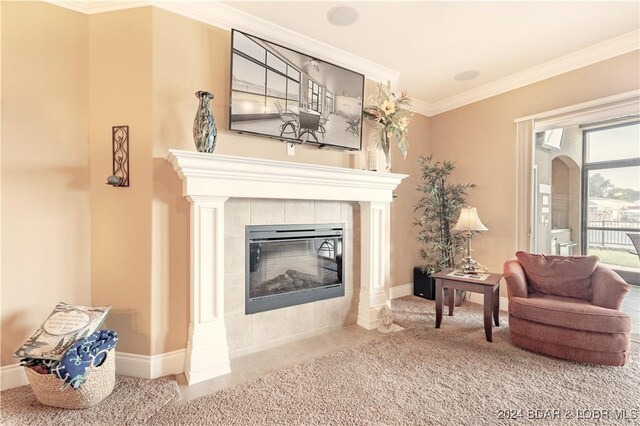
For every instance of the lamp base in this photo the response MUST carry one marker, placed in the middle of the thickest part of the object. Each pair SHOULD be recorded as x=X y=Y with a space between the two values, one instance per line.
x=472 y=267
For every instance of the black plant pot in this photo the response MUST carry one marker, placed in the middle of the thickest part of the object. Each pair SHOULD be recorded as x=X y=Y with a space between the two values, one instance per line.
x=424 y=285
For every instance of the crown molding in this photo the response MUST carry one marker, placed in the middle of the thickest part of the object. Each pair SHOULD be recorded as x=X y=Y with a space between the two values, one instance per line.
x=590 y=55
x=227 y=17
x=214 y=13
x=420 y=107
x=90 y=7
x=219 y=15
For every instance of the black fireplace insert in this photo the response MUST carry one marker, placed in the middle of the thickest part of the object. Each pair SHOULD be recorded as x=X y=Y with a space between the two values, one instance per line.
x=287 y=265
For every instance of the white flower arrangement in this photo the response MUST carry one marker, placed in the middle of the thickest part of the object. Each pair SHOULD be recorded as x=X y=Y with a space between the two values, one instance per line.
x=391 y=115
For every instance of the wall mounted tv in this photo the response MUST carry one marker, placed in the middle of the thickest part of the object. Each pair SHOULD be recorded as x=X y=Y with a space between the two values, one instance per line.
x=283 y=94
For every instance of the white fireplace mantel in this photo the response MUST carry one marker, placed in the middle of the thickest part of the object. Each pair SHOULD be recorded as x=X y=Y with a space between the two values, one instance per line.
x=255 y=178
x=210 y=179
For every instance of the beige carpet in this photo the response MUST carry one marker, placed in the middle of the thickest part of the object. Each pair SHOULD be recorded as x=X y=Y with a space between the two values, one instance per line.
x=418 y=376
x=132 y=402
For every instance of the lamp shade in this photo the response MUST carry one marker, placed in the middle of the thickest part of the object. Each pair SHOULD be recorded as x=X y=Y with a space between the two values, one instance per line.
x=469 y=221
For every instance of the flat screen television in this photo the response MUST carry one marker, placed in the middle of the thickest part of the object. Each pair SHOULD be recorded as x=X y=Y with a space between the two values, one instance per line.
x=280 y=93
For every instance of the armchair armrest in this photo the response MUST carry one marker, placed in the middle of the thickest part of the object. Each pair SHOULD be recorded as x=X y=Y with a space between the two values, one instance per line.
x=609 y=290
x=516 y=279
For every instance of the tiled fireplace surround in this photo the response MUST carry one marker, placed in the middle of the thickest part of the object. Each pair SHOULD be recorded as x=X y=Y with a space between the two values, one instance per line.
x=251 y=333
x=226 y=194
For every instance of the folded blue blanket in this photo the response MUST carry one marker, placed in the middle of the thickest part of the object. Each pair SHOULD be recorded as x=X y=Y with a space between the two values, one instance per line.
x=76 y=362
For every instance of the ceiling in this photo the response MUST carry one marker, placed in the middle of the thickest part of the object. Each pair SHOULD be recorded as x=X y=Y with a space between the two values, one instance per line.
x=428 y=43
x=422 y=45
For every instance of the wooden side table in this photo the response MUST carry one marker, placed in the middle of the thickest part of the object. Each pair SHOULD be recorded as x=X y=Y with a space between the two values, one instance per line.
x=489 y=287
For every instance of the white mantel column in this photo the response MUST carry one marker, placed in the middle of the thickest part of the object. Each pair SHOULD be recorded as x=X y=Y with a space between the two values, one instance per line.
x=207 y=353
x=375 y=258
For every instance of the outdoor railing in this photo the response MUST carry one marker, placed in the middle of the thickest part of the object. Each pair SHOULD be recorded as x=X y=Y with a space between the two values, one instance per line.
x=609 y=233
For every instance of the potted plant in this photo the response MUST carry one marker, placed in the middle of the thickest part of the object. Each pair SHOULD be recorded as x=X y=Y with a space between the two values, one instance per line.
x=439 y=208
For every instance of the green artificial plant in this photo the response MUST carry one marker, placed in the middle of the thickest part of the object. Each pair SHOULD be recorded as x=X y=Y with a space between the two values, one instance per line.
x=439 y=209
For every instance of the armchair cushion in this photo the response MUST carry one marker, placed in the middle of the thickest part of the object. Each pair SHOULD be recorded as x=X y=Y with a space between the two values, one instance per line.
x=569 y=338
x=567 y=276
x=569 y=313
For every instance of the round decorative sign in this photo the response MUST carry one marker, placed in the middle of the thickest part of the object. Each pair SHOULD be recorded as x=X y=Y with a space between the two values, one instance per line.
x=66 y=322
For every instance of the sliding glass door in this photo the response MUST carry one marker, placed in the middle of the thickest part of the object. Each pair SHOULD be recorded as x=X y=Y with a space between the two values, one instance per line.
x=611 y=195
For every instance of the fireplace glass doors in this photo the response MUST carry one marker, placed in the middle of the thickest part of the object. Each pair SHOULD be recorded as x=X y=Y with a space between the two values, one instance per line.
x=288 y=265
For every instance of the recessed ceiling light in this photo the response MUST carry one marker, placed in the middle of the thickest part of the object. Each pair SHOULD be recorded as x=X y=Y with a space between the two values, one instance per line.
x=467 y=75
x=342 y=15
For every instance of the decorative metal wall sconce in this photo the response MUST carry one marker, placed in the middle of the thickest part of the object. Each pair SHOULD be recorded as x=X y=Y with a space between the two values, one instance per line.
x=120 y=146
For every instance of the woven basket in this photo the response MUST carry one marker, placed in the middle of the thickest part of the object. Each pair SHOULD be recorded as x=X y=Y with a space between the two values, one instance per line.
x=98 y=386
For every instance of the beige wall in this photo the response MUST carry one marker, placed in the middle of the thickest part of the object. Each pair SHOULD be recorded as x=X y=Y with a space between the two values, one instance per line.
x=120 y=69
x=189 y=56
x=404 y=246
x=141 y=68
x=129 y=247
x=1 y=203
x=481 y=139
x=45 y=166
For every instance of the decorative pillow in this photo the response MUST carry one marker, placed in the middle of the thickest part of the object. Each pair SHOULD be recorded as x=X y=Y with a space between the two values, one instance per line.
x=568 y=276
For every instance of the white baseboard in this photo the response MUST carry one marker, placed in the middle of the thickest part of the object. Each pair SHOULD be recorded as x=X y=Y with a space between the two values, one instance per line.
x=150 y=366
x=143 y=366
x=133 y=365
x=12 y=376
x=167 y=363
x=401 y=291
x=407 y=290
x=479 y=299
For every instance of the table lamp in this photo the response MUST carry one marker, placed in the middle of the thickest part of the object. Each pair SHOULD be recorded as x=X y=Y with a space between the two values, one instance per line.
x=469 y=222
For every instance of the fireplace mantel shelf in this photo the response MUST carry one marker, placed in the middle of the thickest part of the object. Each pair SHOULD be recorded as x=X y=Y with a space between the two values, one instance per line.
x=210 y=179
x=245 y=177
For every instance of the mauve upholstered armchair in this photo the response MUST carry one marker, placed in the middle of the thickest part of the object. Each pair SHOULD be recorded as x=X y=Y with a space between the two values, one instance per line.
x=568 y=307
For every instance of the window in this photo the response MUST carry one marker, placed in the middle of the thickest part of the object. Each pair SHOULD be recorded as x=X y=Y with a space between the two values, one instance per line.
x=611 y=194
x=615 y=143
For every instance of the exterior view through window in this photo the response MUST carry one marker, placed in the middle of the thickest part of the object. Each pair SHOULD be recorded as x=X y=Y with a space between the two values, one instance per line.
x=611 y=195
